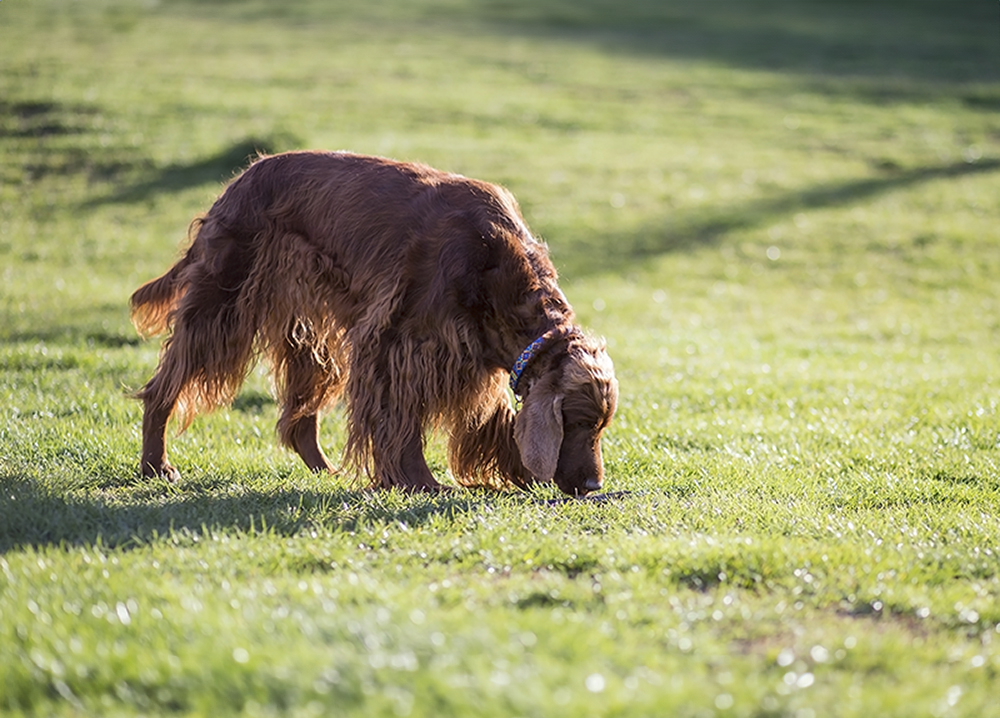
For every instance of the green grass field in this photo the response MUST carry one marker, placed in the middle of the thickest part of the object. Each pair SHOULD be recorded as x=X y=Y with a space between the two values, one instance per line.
x=784 y=217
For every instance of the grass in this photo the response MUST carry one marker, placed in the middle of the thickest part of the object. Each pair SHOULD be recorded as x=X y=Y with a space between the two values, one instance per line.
x=783 y=217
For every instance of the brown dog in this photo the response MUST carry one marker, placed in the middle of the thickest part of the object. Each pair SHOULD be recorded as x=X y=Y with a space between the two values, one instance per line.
x=414 y=292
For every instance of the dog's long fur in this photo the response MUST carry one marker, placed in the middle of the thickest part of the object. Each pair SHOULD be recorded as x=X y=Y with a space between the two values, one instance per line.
x=409 y=290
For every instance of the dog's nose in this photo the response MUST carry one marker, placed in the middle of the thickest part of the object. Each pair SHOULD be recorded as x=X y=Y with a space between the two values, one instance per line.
x=591 y=484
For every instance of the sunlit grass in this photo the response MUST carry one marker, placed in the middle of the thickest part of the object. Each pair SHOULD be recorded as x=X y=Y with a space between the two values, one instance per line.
x=781 y=215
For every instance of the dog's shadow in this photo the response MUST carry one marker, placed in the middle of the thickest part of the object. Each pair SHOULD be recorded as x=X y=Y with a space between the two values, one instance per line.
x=35 y=516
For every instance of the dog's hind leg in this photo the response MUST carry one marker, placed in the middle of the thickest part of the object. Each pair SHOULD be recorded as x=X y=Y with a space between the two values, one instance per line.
x=203 y=363
x=160 y=397
x=303 y=436
x=157 y=413
x=309 y=378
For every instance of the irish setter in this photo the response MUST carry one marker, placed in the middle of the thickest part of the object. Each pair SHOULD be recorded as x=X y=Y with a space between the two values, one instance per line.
x=413 y=292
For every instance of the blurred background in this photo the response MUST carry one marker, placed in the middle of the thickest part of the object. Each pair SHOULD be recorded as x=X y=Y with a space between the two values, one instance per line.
x=627 y=129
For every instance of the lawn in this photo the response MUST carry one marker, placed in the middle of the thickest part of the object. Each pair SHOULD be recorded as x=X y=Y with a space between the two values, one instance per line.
x=781 y=214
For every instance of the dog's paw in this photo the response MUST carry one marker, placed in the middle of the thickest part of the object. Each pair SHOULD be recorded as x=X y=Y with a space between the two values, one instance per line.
x=163 y=471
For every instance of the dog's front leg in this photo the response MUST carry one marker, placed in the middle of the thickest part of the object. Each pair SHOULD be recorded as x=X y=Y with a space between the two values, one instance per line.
x=416 y=475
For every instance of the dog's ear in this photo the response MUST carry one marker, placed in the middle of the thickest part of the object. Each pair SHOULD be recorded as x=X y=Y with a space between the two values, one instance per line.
x=538 y=431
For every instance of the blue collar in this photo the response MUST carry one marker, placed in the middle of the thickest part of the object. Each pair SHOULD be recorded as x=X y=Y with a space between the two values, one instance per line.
x=526 y=356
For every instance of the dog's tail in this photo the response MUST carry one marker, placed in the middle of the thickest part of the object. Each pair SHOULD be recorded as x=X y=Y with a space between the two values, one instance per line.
x=153 y=303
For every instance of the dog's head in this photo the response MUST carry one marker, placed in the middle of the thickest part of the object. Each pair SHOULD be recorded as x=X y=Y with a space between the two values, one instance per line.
x=568 y=403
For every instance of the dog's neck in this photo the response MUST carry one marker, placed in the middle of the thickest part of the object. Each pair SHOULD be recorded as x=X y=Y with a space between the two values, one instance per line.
x=526 y=360
x=522 y=362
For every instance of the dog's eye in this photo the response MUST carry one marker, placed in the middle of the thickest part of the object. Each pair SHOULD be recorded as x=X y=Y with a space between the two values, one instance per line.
x=581 y=425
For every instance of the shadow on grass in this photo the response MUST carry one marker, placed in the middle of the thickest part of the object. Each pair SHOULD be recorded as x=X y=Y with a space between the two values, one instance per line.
x=41 y=129
x=33 y=517
x=252 y=402
x=929 y=45
x=696 y=228
x=216 y=169
x=38 y=118
x=70 y=334
x=43 y=120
